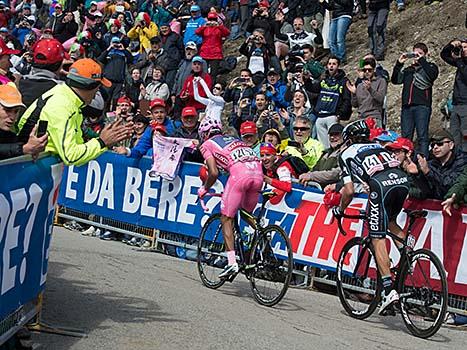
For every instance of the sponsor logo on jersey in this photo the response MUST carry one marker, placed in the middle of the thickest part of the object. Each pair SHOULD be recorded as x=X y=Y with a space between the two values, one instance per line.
x=393 y=182
x=374 y=195
x=374 y=217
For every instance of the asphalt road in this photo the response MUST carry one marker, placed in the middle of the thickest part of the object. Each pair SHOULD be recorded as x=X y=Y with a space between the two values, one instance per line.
x=128 y=299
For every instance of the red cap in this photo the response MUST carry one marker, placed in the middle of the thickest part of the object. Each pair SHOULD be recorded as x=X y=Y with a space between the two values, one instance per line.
x=117 y=23
x=212 y=15
x=248 y=128
x=157 y=102
x=189 y=111
x=264 y=3
x=158 y=127
x=5 y=50
x=401 y=143
x=49 y=51
x=124 y=99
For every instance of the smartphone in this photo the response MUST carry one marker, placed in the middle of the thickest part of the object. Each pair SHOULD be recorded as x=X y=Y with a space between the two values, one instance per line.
x=241 y=80
x=41 y=128
x=410 y=55
x=292 y=143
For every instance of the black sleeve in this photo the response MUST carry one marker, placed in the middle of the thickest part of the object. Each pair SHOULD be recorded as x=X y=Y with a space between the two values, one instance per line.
x=430 y=69
x=319 y=38
x=244 y=49
x=397 y=75
x=10 y=150
x=446 y=55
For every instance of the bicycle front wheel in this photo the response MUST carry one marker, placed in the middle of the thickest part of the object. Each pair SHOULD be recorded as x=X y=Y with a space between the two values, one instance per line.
x=211 y=256
x=270 y=265
x=358 y=283
x=423 y=293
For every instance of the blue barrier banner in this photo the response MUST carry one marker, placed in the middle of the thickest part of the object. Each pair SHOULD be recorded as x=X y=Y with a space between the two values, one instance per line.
x=28 y=193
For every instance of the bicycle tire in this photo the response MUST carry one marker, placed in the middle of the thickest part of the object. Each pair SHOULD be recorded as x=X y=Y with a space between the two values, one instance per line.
x=270 y=270
x=420 y=302
x=359 y=288
x=211 y=258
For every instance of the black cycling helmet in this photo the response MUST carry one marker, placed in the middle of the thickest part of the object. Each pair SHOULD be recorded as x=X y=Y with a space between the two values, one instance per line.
x=357 y=131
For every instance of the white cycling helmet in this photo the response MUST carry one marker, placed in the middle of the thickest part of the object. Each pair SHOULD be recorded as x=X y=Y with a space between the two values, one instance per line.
x=207 y=126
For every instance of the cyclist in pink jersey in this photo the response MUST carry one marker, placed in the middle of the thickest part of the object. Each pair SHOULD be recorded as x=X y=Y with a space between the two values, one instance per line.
x=243 y=185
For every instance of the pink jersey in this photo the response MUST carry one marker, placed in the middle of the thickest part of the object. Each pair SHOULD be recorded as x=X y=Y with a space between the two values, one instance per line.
x=227 y=151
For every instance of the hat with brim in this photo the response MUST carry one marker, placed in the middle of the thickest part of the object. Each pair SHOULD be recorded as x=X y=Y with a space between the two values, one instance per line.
x=10 y=96
x=441 y=135
x=198 y=59
x=271 y=132
x=157 y=102
x=191 y=45
x=335 y=129
x=5 y=50
x=86 y=71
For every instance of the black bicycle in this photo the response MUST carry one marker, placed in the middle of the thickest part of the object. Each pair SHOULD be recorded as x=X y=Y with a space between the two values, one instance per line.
x=420 y=280
x=263 y=253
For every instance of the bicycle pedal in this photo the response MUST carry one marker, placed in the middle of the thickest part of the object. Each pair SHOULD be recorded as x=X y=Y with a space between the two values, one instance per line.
x=390 y=311
x=232 y=277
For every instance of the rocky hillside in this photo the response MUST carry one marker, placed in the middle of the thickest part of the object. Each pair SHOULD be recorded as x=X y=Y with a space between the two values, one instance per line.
x=434 y=24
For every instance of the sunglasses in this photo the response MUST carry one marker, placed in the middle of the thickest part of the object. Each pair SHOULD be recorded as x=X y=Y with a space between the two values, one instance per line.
x=298 y=128
x=218 y=87
x=438 y=143
x=367 y=70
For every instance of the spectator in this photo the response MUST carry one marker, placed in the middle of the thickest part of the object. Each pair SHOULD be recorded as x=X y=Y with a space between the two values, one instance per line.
x=159 y=14
x=377 y=22
x=195 y=22
x=123 y=110
x=5 y=64
x=300 y=37
x=67 y=28
x=369 y=96
x=10 y=145
x=258 y=55
x=55 y=22
x=272 y=136
x=140 y=123
x=275 y=89
x=270 y=119
x=214 y=102
x=187 y=95
x=297 y=109
x=417 y=92
x=455 y=54
x=281 y=40
x=457 y=194
x=239 y=88
x=260 y=20
x=341 y=18
x=246 y=112
x=333 y=99
x=114 y=32
x=22 y=29
x=5 y=14
x=301 y=144
x=326 y=171
x=184 y=68
x=63 y=113
x=172 y=44
x=157 y=88
x=212 y=34
x=149 y=59
x=439 y=174
x=249 y=135
x=133 y=86
x=48 y=56
x=143 y=30
x=189 y=127
x=312 y=10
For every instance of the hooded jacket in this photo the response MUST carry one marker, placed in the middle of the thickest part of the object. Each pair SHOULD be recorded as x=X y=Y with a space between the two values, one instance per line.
x=190 y=30
x=459 y=96
x=36 y=83
x=211 y=47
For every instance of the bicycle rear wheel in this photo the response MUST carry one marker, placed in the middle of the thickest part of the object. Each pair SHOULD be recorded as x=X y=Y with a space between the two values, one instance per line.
x=211 y=256
x=358 y=281
x=271 y=264
x=423 y=293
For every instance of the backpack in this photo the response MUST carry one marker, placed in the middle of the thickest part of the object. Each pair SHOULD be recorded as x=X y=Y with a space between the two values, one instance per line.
x=298 y=164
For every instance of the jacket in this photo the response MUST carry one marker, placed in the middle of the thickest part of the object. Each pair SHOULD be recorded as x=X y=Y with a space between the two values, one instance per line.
x=158 y=14
x=190 y=30
x=183 y=72
x=411 y=94
x=370 y=102
x=459 y=96
x=211 y=47
x=144 y=145
x=279 y=97
x=327 y=170
x=63 y=112
x=459 y=188
x=173 y=46
x=188 y=87
x=339 y=8
x=36 y=83
x=145 y=63
x=313 y=148
x=267 y=24
x=115 y=62
x=144 y=35
x=251 y=50
x=9 y=145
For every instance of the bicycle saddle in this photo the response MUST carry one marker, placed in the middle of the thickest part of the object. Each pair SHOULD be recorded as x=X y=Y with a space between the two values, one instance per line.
x=416 y=213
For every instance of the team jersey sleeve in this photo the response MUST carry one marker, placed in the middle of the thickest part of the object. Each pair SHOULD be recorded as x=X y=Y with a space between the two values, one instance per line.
x=346 y=173
x=206 y=151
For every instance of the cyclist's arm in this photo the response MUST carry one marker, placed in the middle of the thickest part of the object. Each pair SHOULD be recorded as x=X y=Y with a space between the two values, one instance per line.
x=213 y=172
x=347 y=194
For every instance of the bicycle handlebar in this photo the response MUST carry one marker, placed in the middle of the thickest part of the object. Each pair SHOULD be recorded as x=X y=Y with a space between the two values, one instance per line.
x=360 y=216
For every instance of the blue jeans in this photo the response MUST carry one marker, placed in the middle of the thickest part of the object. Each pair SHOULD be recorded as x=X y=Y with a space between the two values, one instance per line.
x=337 y=32
x=416 y=118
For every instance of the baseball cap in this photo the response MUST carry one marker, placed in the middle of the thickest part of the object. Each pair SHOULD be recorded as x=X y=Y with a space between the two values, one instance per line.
x=115 y=39
x=189 y=111
x=197 y=59
x=195 y=8
x=267 y=148
x=87 y=71
x=401 y=143
x=441 y=135
x=263 y=3
x=93 y=3
x=124 y=99
x=48 y=51
x=26 y=6
x=272 y=131
x=58 y=5
x=212 y=15
x=5 y=50
x=272 y=71
x=335 y=129
x=191 y=45
x=10 y=96
x=248 y=128
x=97 y=14
x=387 y=136
x=140 y=118
x=157 y=102
x=4 y=30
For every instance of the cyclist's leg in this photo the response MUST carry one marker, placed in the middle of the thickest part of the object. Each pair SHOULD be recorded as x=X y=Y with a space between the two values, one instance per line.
x=393 y=203
x=227 y=231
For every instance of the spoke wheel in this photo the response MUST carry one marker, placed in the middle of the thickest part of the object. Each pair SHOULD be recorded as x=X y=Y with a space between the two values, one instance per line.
x=211 y=253
x=270 y=265
x=358 y=281
x=423 y=293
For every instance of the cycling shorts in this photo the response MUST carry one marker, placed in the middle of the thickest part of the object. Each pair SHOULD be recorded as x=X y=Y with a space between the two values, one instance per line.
x=388 y=191
x=242 y=188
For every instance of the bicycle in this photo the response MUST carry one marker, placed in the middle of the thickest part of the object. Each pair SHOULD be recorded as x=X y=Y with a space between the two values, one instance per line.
x=420 y=280
x=264 y=256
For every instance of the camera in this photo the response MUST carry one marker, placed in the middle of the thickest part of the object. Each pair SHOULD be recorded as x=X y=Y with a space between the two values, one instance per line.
x=297 y=53
x=410 y=55
x=241 y=80
x=457 y=50
x=269 y=87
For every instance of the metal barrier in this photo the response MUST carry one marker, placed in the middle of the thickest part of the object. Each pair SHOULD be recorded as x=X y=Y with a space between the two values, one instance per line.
x=456 y=304
x=16 y=320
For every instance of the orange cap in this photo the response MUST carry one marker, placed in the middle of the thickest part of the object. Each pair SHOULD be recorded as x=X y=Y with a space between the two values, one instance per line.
x=10 y=96
x=87 y=71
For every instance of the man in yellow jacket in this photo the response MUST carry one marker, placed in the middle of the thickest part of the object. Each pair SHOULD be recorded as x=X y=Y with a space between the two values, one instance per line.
x=143 y=30
x=61 y=108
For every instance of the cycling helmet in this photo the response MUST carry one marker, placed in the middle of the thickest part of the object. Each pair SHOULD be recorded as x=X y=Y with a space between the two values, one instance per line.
x=357 y=131
x=207 y=126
